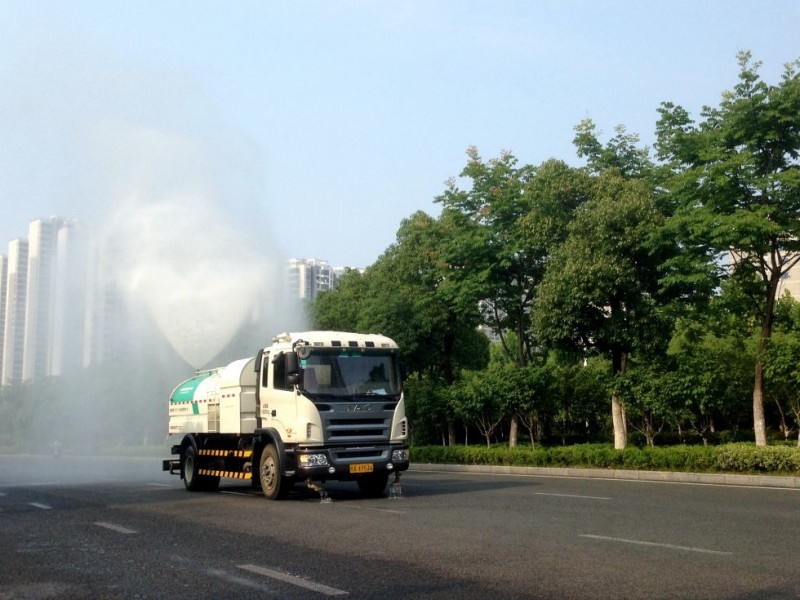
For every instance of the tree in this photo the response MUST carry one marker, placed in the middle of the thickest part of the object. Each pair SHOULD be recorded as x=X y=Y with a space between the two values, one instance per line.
x=499 y=231
x=601 y=290
x=735 y=181
x=478 y=399
x=781 y=361
x=340 y=311
x=646 y=391
x=578 y=396
x=410 y=295
x=713 y=352
x=781 y=369
x=620 y=154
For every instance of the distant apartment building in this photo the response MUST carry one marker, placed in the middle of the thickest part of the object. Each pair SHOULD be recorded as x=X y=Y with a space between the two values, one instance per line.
x=40 y=297
x=307 y=277
x=69 y=300
x=14 y=325
x=42 y=300
x=3 y=286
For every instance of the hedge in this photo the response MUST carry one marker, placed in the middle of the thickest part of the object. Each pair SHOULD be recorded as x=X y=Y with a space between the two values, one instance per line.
x=727 y=458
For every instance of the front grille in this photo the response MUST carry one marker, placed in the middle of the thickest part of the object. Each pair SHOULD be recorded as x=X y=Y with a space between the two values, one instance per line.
x=357 y=422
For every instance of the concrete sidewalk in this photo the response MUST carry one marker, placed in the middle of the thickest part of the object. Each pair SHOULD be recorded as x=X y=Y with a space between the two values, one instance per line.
x=773 y=481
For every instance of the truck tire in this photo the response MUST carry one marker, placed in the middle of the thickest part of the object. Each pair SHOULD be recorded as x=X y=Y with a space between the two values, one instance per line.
x=191 y=479
x=274 y=484
x=373 y=486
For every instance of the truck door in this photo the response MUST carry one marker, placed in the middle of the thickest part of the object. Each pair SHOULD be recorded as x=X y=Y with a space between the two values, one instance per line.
x=278 y=397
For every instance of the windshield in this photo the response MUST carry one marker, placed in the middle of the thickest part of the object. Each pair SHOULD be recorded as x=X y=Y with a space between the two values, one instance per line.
x=350 y=372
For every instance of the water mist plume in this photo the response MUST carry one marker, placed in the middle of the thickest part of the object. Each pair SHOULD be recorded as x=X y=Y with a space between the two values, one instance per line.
x=175 y=250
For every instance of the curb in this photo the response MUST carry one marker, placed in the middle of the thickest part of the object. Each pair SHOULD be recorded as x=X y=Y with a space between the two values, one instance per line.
x=772 y=481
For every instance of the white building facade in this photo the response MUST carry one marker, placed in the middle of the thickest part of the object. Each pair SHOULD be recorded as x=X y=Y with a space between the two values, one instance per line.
x=307 y=277
x=14 y=318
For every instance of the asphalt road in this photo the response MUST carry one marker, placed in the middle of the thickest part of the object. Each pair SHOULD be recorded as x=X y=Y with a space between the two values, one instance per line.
x=114 y=528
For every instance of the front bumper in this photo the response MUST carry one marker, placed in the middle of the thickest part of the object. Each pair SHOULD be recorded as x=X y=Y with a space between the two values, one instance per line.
x=349 y=463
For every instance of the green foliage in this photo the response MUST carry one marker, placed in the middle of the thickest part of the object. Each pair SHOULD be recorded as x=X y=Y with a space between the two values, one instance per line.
x=728 y=458
x=500 y=231
x=612 y=281
x=577 y=397
x=767 y=459
x=427 y=408
x=602 y=288
x=735 y=181
x=712 y=377
x=621 y=153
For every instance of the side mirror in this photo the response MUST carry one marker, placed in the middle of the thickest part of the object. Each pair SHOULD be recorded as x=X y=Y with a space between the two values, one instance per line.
x=293 y=375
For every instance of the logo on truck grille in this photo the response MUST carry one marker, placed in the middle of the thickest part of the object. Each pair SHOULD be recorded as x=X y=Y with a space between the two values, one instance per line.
x=358 y=407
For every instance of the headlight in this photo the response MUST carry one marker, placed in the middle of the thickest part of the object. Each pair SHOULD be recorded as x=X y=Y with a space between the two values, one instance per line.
x=313 y=460
x=399 y=455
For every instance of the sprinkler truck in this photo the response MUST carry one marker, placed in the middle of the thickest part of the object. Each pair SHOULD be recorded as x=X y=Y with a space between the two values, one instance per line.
x=313 y=406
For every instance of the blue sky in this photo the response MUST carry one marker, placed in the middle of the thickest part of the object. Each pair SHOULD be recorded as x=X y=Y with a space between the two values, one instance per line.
x=317 y=126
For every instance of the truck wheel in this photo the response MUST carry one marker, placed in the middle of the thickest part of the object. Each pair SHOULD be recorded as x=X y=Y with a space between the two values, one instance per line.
x=273 y=484
x=373 y=486
x=193 y=481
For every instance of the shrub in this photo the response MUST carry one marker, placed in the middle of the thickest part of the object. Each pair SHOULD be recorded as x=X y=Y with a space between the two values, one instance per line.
x=739 y=457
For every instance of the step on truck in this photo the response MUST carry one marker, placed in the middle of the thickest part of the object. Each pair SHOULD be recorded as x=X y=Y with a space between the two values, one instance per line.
x=312 y=407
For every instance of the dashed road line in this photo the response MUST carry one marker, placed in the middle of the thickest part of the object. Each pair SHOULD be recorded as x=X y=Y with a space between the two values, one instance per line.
x=40 y=505
x=113 y=527
x=298 y=581
x=644 y=543
x=254 y=585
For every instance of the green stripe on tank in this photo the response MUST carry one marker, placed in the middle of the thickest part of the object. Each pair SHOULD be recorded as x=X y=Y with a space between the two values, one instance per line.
x=195 y=408
x=185 y=391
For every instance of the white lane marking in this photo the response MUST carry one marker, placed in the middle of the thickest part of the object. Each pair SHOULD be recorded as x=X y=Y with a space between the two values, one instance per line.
x=291 y=579
x=571 y=496
x=643 y=543
x=254 y=585
x=112 y=527
x=39 y=505
x=163 y=485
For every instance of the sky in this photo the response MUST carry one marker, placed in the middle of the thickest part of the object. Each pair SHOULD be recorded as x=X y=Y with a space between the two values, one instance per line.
x=313 y=128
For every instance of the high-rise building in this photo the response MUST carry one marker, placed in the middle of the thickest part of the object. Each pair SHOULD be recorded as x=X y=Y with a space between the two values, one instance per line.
x=39 y=298
x=3 y=286
x=14 y=331
x=69 y=300
x=306 y=277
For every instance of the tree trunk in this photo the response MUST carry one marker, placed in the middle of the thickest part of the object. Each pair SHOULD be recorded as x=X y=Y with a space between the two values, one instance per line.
x=618 y=417
x=759 y=423
x=513 y=431
x=618 y=366
x=451 y=434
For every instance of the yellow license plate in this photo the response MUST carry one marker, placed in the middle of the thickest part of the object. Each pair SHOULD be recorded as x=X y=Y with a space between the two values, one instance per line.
x=361 y=468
